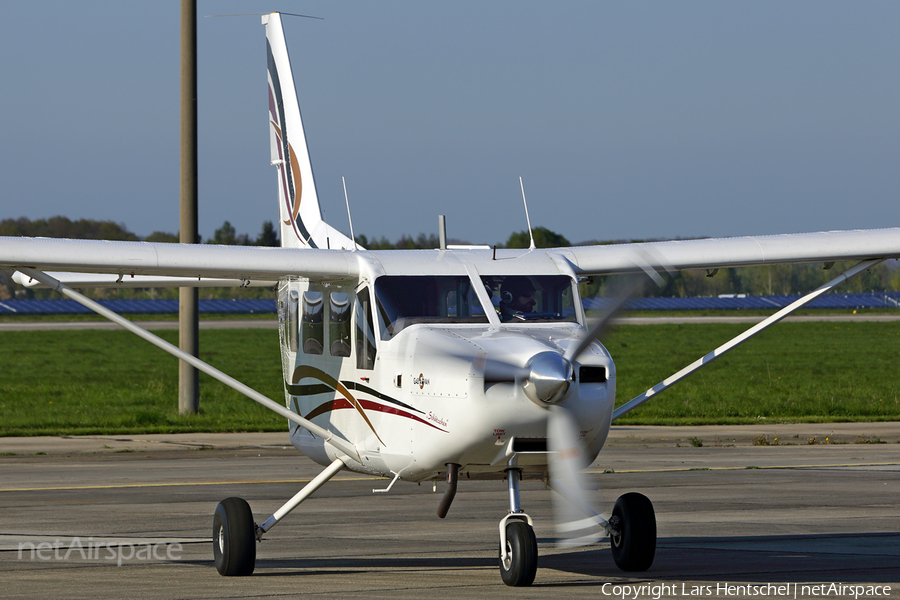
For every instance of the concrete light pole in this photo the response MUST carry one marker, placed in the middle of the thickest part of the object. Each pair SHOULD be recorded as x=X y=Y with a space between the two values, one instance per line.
x=188 y=324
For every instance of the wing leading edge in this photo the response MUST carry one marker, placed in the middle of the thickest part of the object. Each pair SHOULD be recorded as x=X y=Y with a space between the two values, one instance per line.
x=716 y=253
x=249 y=263
x=174 y=260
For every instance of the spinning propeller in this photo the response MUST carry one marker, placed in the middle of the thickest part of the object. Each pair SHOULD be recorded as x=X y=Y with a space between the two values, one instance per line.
x=548 y=380
x=572 y=507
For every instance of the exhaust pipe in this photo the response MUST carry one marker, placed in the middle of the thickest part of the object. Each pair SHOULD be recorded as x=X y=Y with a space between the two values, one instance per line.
x=447 y=500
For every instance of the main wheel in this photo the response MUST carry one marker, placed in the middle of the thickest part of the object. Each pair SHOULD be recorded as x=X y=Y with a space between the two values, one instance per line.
x=234 y=538
x=521 y=548
x=634 y=547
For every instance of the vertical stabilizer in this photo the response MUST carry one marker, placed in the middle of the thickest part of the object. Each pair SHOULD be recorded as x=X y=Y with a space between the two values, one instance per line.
x=300 y=217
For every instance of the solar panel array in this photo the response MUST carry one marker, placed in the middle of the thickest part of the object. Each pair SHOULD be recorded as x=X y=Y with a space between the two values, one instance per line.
x=832 y=301
x=144 y=307
x=147 y=307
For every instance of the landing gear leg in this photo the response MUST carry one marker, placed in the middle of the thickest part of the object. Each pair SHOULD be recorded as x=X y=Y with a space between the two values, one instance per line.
x=518 y=546
x=318 y=481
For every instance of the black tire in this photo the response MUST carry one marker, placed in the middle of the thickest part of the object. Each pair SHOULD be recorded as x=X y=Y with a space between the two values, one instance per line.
x=234 y=538
x=521 y=544
x=635 y=546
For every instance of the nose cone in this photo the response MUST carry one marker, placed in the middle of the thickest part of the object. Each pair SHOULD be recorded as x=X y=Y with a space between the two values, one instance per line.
x=549 y=379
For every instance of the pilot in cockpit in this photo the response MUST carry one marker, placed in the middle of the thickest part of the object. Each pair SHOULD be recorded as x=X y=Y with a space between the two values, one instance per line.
x=516 y=298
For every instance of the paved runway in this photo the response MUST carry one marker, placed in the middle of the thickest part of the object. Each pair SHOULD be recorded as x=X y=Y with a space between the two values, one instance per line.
x=728 y=512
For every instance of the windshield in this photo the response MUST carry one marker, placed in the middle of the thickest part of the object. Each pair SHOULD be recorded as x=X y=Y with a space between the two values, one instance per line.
x=406 y=300
x=533 y=299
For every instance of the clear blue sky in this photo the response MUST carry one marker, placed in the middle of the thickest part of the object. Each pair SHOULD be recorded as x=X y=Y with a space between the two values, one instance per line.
x=625 y=119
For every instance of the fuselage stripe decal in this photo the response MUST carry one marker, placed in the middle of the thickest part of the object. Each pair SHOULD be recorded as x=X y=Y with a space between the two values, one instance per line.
x=341 y=403
x=309 y=390
x=303 y=371
x=319 y=388
x=396 y=411
x=364 y=388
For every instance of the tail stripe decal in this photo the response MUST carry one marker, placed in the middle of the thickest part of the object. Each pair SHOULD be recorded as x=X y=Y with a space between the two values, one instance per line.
x=290 y=168
x=300 y=216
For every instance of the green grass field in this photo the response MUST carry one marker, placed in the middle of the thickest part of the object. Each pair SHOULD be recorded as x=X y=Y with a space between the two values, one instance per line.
x=793 y=372
x=83 y=382
x=91 y=382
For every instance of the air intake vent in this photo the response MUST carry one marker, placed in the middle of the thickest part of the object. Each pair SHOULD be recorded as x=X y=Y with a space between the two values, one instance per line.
x=592 y=374
x=529 y=445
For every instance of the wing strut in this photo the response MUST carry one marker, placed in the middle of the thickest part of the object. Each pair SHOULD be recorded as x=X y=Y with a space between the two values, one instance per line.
x=735 y=342
x=329 y=437
x=318 y=481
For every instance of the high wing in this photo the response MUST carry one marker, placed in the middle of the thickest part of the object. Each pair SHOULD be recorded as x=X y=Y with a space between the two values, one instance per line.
x=113 y=280
x=716 y=253
x=249 y=263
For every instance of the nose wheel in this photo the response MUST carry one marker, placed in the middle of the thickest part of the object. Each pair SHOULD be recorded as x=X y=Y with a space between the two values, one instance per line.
x=518 y=565
x=518 y=545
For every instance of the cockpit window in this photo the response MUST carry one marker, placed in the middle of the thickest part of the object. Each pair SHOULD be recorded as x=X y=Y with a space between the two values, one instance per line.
x=407 y=300
x=532 y=299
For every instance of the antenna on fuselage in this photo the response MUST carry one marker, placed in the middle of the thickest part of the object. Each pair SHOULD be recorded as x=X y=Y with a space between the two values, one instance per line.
x=327 y=238
x=442 y=231
x=527 y=218
x=349 y=218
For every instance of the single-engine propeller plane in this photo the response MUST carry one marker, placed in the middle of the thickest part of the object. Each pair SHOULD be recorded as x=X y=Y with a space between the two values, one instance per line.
x=429 y=364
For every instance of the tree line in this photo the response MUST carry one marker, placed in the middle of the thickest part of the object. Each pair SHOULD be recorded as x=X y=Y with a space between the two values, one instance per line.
x=90 y=229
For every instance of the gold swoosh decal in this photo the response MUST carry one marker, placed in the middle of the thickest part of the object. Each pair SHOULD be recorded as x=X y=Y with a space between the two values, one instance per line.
x=295 y=169
x=304 y=371
x=298 y=181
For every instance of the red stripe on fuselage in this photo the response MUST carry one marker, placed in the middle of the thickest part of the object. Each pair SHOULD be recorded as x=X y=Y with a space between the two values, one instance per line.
x=340 y=403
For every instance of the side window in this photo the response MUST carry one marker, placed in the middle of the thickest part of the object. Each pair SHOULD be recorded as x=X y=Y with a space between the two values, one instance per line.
x=462 y=301
x=291 y=322
x=312 y=329
x=339 y=323
x=365 y=336
x=452 y=307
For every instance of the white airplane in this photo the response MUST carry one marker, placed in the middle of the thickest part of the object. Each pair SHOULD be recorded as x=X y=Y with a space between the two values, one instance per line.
x=425 y=364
